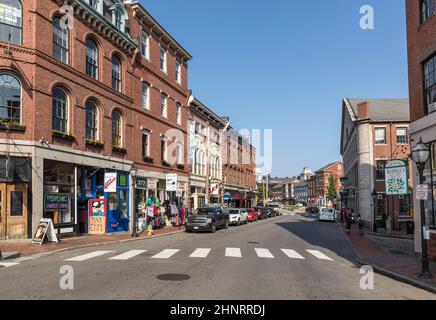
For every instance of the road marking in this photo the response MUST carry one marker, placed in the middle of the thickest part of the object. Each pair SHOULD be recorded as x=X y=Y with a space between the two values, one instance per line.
x=88 y=256
x=200 y=253
x=264 y=253
x=8 y=264
x=319 y=255
x=233 y=252
x=128 y=255
x=165 y=254
x=292 y=254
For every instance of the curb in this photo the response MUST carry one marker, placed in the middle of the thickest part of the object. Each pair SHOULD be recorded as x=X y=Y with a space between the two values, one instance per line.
x=398 y=276
x=388 y=235
x=43 y=254
x=10 y=255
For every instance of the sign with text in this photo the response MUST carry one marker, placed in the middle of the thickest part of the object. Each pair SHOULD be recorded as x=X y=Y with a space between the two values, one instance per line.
x=396 y=177
x=110 y=182
x=56 y=201
x=97 y=216
x=141 y=184
x=152 y=184
x=422 y=192
x=171 y=182
x=45 y=230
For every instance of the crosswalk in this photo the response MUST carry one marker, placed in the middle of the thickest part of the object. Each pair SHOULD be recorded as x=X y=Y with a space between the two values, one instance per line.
x=203 y=253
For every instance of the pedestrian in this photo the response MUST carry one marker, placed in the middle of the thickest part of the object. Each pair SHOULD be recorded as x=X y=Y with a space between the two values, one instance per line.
x=360 y=224
x=348 y=220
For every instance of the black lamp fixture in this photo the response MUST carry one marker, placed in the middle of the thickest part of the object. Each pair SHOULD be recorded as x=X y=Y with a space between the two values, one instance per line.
x=420 y=155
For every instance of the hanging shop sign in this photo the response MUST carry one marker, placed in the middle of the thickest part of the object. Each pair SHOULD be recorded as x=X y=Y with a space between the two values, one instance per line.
x=141 y=184
x=215 y=189
x=97 y=216
x=45 y=230
x=56 y=201
x=422 y=192
x=182 y=186
x=179 y=193
x=110 y=182
x=171 y=180
x=152 y=184
x=396 y=178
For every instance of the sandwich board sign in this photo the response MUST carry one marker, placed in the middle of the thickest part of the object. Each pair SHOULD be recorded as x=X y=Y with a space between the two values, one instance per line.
x=45 y=230
x=97 y=216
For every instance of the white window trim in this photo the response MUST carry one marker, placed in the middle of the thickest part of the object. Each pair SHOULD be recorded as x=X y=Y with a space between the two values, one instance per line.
x=146 y=35
x=147 y=103
x=165 y=59
x=375 y=136
x=179 y=69
x=147 y=133
x=179 y=108
x=164 y=111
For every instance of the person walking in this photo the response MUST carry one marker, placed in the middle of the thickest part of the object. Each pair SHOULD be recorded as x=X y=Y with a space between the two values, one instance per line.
x=360 y=224
x=348 y=220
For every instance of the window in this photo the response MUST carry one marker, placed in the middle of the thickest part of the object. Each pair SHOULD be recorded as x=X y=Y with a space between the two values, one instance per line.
x=91 y=59
x=91 y=121
x=145 y=144
x=163 y=60
x=427 y=9
x=93 y=3
x=116 y=73
x=401 y=135
x=179 y=153
x=178 y=72
x=430 y=84
x=10 y=99
x=145 y=95
x=116 y=129
x=163 y=149
x=60 y=41
x=118 y=19
x=380 y=169
x=10 y=21
x=380 y=136
x=59 y=110
x=145 y=45
x=163 y=105
x=178 y=113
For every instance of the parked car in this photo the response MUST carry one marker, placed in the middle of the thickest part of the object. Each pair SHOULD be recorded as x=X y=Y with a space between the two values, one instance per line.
x=208 y=219
x=251 y=215
x=238 y=216
x=276 y=208
x=261 y=213
x=327 y=214
x=312 y=210
x=270 y=212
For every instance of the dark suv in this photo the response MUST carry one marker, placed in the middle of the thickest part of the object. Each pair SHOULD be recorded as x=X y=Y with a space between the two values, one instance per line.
x=208 y=219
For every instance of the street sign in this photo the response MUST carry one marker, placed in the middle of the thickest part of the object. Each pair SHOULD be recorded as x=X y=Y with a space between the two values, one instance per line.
x=422 y=192
x=396 y=177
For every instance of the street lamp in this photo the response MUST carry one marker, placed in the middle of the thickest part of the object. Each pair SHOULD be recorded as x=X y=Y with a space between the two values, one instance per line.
x=420 y=155
x=133 y=174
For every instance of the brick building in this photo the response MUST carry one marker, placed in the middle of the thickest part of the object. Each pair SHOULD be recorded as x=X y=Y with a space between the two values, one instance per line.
x=84 y=102
x=375 y=132
x=322 y=176
x=421 y=45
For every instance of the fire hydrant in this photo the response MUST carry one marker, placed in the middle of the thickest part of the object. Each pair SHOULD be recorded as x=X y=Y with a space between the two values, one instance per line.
x=149 y=231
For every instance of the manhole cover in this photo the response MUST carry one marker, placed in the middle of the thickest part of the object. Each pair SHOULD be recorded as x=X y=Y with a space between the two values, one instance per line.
x=173 y=277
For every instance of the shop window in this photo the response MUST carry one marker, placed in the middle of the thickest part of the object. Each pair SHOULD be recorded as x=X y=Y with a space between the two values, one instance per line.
x=91 y=58
x=91 y=121
x=11 y=21
x=10 y=99
x=404 y=205
x=16 y=203
x=60 y=41
x=116 y=73
x=60 y=110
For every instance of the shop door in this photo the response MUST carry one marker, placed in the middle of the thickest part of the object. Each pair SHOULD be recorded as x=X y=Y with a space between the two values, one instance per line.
x=13 y=209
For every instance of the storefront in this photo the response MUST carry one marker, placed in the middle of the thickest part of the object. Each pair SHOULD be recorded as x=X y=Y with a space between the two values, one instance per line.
x=198 y=194
x=215 y=193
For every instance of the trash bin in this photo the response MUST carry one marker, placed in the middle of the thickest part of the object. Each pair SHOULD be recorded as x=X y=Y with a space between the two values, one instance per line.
x=410 y=227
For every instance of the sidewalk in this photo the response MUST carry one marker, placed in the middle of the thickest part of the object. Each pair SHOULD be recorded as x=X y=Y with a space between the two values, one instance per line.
x=27 y=248
x=393 y=259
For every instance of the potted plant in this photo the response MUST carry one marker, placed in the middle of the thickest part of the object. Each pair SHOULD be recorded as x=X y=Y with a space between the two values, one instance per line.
x=63 y=135
x=119 y=149
x=95 y=143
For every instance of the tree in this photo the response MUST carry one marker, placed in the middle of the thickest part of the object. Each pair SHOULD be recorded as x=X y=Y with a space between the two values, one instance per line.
x=332 y=189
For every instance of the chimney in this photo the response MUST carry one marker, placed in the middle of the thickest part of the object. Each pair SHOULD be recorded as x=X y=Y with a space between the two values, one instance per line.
x=363 y=110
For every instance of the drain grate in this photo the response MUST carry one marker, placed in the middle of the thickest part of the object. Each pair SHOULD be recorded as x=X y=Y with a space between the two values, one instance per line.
x=173 y=277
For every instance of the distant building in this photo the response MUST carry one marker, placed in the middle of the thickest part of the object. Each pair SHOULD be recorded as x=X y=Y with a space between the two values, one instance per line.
x=322 y=177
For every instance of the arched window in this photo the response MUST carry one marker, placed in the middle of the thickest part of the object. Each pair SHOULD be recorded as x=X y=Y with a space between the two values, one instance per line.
x=60 y=41
x=59 y=110
x=91 y=120
x=116 y=73
x=91 y=58
x=11 y=21
x=10 y=99
x=116 y=129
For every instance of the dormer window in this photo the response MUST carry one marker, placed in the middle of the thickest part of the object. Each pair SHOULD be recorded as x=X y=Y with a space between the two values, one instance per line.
x=118 y=19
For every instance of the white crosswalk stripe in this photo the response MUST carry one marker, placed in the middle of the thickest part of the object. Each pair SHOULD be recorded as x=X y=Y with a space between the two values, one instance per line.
x=8 y=264
x=200 y=253
x=128 y=255
x=165 y=254
x=88 y=256
x=264 y=253
x=233 y=252
x=292 y=254
x=319 y=255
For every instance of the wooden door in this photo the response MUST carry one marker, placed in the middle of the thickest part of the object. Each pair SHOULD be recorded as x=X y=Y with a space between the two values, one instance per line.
x=16 y=211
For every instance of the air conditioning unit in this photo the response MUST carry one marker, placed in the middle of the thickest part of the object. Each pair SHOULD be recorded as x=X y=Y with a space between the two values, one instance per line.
x=432 y=107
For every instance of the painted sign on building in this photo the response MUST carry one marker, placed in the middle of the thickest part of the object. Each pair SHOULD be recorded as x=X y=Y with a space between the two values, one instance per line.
x=396 y=178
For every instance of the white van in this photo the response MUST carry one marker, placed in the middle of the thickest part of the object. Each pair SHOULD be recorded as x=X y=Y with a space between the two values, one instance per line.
x=326 y=214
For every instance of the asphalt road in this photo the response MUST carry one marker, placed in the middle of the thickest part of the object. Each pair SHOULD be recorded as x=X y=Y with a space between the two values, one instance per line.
x=245 y=262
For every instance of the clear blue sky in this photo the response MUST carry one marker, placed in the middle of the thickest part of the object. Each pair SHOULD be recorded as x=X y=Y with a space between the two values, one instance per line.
x=287 y=64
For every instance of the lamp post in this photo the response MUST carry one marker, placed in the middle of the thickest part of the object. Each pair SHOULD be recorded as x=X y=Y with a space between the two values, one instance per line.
x=420 y=155
x=133 y=173
x=375 y=195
